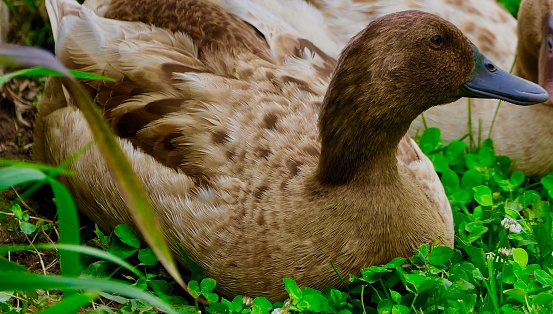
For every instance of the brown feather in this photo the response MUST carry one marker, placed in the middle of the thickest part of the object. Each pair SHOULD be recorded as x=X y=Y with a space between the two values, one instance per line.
x=209 y=27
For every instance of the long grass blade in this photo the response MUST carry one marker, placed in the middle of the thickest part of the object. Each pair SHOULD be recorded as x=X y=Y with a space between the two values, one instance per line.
x=13 y=176
x=68 y=227
x=40 y=71
x=72 y=304
x=10 y=281
x=127 y=181
x=88 y=250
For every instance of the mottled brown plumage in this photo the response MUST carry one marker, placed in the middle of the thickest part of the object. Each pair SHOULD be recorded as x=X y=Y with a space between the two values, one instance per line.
x=242 y=171
x=206 y=24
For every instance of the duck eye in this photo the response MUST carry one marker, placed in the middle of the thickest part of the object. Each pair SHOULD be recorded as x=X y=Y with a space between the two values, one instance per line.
x=437 y=41
x=490 y=67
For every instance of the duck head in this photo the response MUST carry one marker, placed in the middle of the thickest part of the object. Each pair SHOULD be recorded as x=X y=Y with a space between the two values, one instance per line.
x=423 y=60
x=535 y=43
x=396 y=68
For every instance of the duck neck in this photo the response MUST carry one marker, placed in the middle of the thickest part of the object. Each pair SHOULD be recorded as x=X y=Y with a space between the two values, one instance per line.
x=360 y=133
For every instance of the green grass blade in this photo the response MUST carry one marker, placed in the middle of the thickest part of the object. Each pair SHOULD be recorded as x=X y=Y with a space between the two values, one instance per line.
x=68 y=227
x=40 y=71
x=90 y=76
x=129 y=185
x=72 y=304
x=10 y=281
x=12 y=176
x=127 y=181
x=9 y=266
x=88 y=250
x=33 y=165
x=15 y=55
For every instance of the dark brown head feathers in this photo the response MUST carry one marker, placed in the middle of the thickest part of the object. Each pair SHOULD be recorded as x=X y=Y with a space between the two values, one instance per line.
x=393 y=70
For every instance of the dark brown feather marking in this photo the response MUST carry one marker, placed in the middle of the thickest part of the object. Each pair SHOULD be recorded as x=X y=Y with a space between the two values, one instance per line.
x=110 y=95
x=168 y=140
x=167 y=152
x=294 y=166
x=270 y=120
x=312 y=150
x=301 y=83
x=219 y=137
x=122 y=88
x=132 y=122
x=259 y=191
x=113 y=102
x=209 y=26
x=164 y=106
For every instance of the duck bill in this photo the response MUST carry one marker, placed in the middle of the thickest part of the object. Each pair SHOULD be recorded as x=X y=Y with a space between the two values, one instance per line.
x=489 y=81
x=545 y=61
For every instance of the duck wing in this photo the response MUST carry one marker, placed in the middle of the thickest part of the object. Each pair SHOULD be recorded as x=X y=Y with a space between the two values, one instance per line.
x=183 y=98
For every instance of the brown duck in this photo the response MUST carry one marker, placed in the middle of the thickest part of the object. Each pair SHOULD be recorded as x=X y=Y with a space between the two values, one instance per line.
x=330 y=24
x=259 y=163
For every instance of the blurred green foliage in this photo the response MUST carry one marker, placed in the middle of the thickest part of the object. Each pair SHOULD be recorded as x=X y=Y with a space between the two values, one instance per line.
x=29 y=24
x=511 y=5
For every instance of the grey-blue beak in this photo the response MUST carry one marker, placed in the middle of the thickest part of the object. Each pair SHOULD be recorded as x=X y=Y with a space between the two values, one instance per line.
x=489 y=81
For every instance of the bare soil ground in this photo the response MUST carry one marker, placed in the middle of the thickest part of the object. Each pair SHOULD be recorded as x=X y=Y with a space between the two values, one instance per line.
x=17 y=114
